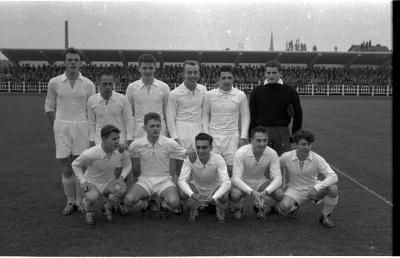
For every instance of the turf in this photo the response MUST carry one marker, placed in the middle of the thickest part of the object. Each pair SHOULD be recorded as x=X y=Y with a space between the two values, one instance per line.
x=353 y=134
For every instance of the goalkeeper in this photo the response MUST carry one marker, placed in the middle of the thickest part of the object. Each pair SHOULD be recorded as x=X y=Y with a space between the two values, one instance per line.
x=102 y=162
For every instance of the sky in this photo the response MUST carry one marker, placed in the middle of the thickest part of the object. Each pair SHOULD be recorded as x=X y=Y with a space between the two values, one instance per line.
x=195 y=24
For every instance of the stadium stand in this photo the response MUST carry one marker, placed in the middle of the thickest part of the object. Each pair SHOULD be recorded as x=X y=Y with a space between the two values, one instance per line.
x=322 y=73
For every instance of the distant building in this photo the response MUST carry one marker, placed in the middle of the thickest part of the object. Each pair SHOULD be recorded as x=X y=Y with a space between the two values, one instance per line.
x=365 y=47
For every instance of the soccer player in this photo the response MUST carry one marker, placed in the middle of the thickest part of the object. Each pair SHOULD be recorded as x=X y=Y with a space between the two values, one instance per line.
x=109 y=108
x=222 y=109
x=209 y=180
x=300 y=168
x=99 y=180
x=65 y=106
x=256 y=172
x=271 y=106
x=184 y=108
x=150 y=159
x=147 y=95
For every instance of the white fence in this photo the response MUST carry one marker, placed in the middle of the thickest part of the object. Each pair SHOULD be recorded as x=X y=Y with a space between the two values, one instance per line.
x=356 y=90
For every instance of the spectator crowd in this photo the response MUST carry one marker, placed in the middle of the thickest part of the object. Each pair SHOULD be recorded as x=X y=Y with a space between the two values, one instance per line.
x=244 y=74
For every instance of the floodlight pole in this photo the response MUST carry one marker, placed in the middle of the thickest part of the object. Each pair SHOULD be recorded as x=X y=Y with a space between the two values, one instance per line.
x=66 y=34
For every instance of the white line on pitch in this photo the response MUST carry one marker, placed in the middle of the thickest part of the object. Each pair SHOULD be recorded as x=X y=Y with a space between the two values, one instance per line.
x=362 y=186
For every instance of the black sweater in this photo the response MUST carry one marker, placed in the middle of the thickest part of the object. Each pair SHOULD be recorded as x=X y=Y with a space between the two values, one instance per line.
x=269 y=105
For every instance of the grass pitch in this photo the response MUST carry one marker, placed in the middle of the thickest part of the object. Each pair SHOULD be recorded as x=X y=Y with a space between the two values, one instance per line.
x=352 y=133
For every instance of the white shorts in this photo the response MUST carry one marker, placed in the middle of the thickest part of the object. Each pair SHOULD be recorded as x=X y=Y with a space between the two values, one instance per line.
x=100 y=186
x=208 y=191
x=299 y=195
x=186 y=132
x=139 y=132
x=97 y=139
x=226 y=146
x=71 y=137
x=155 y=184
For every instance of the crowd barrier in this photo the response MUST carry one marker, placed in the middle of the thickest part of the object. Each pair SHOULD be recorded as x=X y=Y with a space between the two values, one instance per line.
x=355 y=90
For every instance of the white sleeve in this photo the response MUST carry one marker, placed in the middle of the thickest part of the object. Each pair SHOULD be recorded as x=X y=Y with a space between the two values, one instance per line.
x=91 y=120
x=205 y=116
x=176 y=149
x=129 y=95
x=237 y=173
x=244 y=117
x=134 y=150
x=165 y=103
x=78 y=164
x=128 y=118
x=224 y=177
x=171 y=116
x=184 y=178
x=51 y=97
x=330 y=175
x=126 y=164
x=275 y=174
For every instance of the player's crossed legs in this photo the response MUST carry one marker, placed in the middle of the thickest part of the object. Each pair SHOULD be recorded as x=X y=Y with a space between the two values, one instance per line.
x=291 y=199
x=113 y=192
x=261 y=207
x=202 y=198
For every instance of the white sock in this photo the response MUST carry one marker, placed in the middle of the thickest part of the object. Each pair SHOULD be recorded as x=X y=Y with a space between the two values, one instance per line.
x=68 y=184
x=329 y=204
x=78 y=190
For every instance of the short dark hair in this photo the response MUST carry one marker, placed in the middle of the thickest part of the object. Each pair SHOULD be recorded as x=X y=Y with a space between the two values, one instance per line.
x=147 y=58
x=273 y=63
x=225 y=68
x=190 y=62
x=258 y=129
x=303 y=134
x=151 y=115
x=204 y=137
x=108 y=129
x=106 y=73
x=72 y=50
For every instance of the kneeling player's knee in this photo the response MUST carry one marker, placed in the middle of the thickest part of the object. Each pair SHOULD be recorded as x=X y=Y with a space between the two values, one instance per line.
x=332 y=191
x=130 y=199
x=285 y=206
x=172 y=201
x=235 y=195
x=92 y=197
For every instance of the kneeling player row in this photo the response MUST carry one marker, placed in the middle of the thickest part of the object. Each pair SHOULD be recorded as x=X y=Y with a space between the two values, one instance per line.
x=204 y=179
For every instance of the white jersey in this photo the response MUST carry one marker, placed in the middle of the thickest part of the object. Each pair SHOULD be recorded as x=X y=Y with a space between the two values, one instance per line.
x=303 y=178
x=248 y=171
x=184 y=105
x=208 y=176
x=116 y=112
x=221 y=111
x=143 y=102
x=69 y=103
x=100 y=167
x=154 y=159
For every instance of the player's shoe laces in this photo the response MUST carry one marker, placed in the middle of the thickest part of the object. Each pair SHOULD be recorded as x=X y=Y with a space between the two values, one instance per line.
x=179 y=210
x=238 y=213
x=259 y=212
x=221 y=218
x=326 y=220
x=193 y=215
x=164 y=212
x=122 y=209
x=68 y=209
x=80 y=208
x=107 y=213
x=89 y=218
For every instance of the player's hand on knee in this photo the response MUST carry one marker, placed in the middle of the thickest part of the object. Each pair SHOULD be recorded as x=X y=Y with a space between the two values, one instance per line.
x=199 y=199
x=191 y=154
x=85 y=187
x=312 y=193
